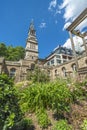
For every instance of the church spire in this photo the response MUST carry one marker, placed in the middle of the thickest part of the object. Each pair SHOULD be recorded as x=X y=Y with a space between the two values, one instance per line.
x=32 y=25
x=32 y=31
x=31 y=50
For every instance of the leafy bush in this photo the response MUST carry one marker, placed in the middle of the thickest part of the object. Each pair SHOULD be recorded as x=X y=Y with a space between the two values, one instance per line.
x=84 y=125
x=24 y=124
x=42 y=118
x=54 y=95
x=78 y=92
x=62 y=125
x=38 y=75
x=40 y=97
x=10 y=112
x=60 y=96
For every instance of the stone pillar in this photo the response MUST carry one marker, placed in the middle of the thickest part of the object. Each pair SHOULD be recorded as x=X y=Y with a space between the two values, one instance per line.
x=61 y=58
x=55 y=62
x=73 y=47
x=20 y=73
x=84 y=43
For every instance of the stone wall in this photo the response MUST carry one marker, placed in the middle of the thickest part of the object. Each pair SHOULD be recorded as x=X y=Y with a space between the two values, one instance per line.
x=57 y=71
x=23 y=66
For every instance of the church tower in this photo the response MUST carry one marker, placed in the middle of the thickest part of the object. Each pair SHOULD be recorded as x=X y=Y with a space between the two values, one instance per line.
x=31 y=50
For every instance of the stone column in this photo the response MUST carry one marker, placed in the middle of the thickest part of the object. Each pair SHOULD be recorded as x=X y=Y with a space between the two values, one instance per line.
x=73 y=47
x=84 y=43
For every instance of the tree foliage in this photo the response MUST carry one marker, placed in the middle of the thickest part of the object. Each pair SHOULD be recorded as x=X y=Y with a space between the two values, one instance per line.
x=11 y=53
x=3 y=49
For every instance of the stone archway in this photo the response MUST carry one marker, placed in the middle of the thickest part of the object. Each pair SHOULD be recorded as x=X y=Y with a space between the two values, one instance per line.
x=64 y=71
x=74 y=67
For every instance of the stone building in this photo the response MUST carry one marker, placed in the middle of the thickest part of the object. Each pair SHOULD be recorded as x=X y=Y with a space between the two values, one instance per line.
x=59 y=56
x=76 y=64
x=19 y=68
x=69 y=69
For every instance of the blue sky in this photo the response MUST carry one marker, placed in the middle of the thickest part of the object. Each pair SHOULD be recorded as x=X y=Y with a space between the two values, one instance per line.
x=50 y=19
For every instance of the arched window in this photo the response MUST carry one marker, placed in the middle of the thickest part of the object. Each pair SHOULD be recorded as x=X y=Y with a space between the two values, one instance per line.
x=74 y=67
x=56 y=72
x=48 y=72
x=12 y=72
x=32 y=66
x=64 y=71
x=86 y=61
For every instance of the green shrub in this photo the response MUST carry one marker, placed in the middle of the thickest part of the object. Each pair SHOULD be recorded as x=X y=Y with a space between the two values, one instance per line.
x=60 y=97
x=38 y=75
x=84 y=125
x=24 y=124
x=10 y=112
x=42 y=118
x=78 y=92
x=56 y=96
x=62 y=125
x=42 y=96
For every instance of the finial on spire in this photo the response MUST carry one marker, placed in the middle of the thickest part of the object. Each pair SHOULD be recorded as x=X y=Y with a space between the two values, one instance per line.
x=32 y=20
x=32 y=25
x=31 y=31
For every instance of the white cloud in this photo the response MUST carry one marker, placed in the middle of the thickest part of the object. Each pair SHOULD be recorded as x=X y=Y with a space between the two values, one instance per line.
x=77 y=43
x=42 y=25
x=73 y=9
x=52 y=4
x=57 y=11
x=67 y=44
